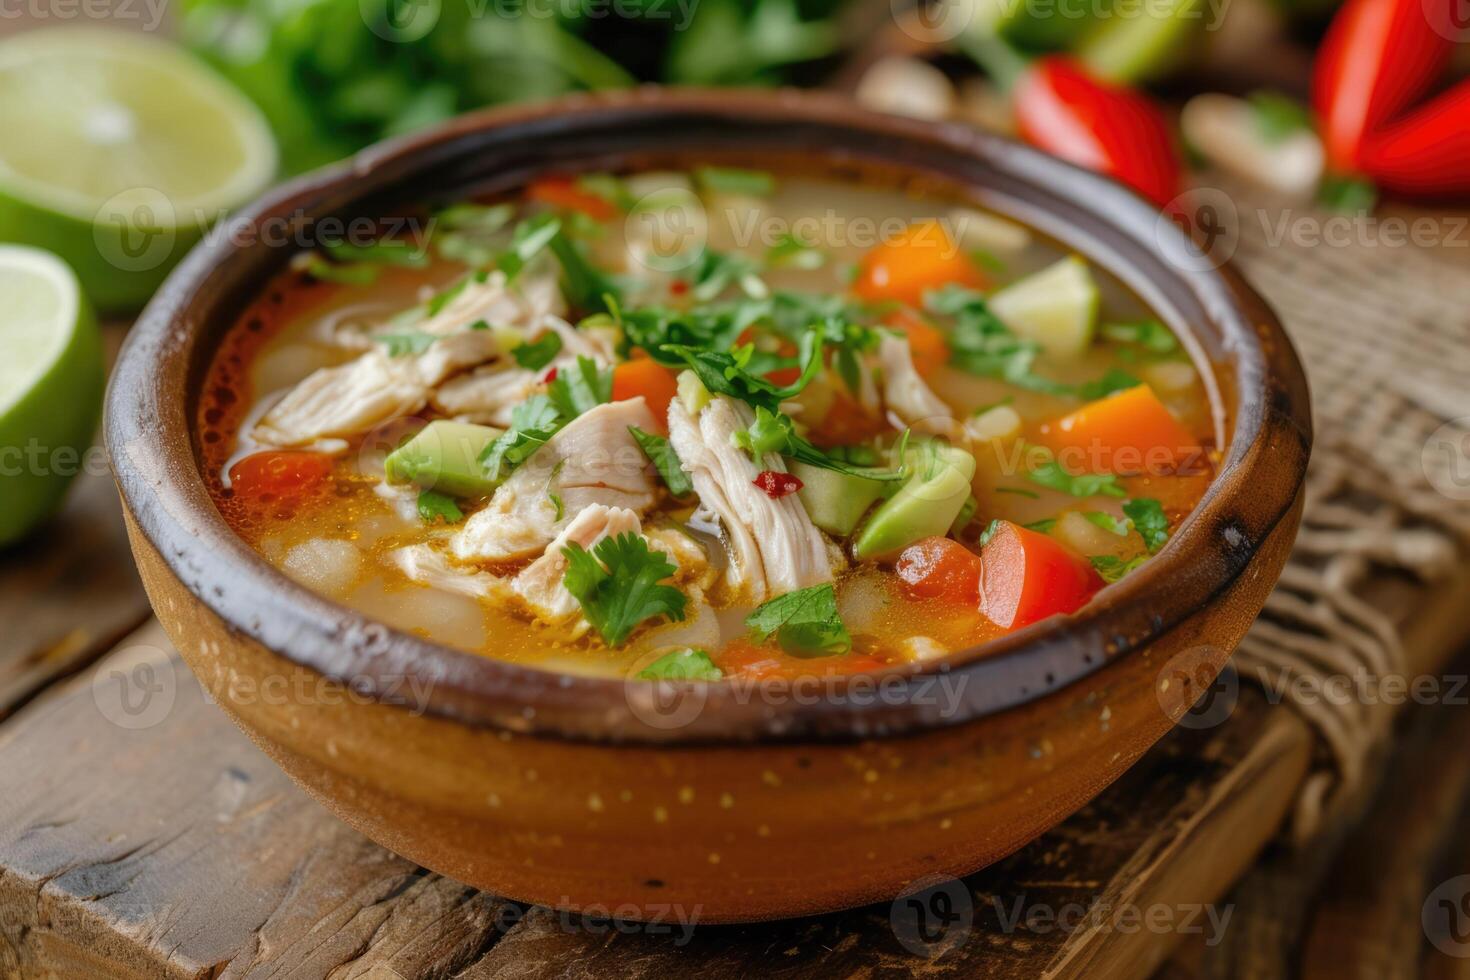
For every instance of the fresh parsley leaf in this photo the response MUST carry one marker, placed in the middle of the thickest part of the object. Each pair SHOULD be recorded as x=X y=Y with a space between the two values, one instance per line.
x=533 y=423
x=538 y=353
x=790 y=252
x=1107 y=522
x=732 y=180
x=580 y=388
x=618 y=585
x=714 y=272
x=531 y=237
x=389 y=251
x=434 y=506
x=1150 y=520
x=805 y=622
x=586 y=287
x=1148 y=334
x=1054 y=477
x=1112 y=568
x=412 y=342
x=688 y=664
x=664 y=459
x=1114 y=380
x=355 y=274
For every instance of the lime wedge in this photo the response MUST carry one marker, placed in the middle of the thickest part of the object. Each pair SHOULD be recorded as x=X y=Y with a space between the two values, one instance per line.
x=118 y=151
x=1056 y=307
x=50 y=385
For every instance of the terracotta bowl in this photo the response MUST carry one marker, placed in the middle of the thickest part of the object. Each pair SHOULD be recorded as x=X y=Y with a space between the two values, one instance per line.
x=713 y=801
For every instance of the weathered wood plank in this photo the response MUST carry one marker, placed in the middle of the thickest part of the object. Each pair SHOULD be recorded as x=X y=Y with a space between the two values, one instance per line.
x=150 y=838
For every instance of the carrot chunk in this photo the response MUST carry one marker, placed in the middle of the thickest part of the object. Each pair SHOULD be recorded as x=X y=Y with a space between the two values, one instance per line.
x=1127 y=432
x=920 y=258
x=645 y=376
x=279 y=474
x=940 y=568
x=926 y=341
x=1026 y=576
x=564 y=194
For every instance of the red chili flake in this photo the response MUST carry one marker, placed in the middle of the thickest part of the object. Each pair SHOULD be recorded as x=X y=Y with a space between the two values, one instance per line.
x=678 y=287
x=776 y=485
x=549 y=376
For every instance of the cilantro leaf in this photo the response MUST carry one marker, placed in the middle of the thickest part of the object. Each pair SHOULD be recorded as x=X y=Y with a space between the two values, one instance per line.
x=1107 y=522
x=353 y=274
x=410 y=342
x=732 y=180
x=982 y=345
x=1148 y=334
x=791 y=252
x=586 y=287
x=688 y=664
x=1112 y=568
x=533 y=423
x=728 y=373
x=1278 y=117
x=1113 y=381
x=580 y=388
x=714 y=272
x=1054 y=477
x=436 y=506
x=481 y=218
x=535 y=355
x=805 y=622
x=1149 y=518
x=771 y=432
x=389 y=251
x=531 y=237
x=617 y=584
x=664 y=459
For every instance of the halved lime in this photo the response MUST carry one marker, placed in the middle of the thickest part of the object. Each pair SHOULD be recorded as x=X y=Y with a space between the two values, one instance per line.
x=50 y=385
x=117 y=150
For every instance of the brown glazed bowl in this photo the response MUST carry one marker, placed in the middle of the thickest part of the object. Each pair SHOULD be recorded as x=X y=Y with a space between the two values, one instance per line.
x=715 y=802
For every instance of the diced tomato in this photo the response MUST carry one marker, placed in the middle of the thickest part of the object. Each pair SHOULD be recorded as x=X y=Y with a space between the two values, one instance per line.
x=1026 y=576
x=926 y=342
x=1130 y=431
x=940 y=568
x=777 y=485
x=279 y=474
x=645 y=376
x=564 y=194
x=920 y=258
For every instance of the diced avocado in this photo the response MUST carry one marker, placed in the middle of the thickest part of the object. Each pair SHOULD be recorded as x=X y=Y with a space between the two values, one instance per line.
x=1056 y=307
x=925 y=506
x=1135 y=49
x=444 y=456
x=834 y=501
x=693 y=395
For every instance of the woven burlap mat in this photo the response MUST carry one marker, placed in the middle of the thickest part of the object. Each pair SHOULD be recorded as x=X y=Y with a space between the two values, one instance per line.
x=1379 y=308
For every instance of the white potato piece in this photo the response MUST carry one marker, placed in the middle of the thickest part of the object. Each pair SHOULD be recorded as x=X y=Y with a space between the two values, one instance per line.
x=999 y=422
x=906 y=87
x=324 y=564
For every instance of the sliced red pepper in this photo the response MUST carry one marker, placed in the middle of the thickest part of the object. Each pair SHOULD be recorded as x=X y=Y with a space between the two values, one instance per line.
x=940 y=568
x=283 y=475
x=1113 y=130
x=777 y=485
x=1378 y=58
x=1427 y=152
x=1026 y=576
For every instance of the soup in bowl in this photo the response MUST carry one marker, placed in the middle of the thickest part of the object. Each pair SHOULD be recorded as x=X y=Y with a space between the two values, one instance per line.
x=737 y=502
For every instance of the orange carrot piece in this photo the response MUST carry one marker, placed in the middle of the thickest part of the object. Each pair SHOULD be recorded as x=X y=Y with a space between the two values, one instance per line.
x=645 y=376
x=920 y=258
x=1128 y=432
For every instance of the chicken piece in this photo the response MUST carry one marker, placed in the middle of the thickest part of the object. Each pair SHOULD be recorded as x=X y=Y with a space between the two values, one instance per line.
x=541 y=585
x=353 y=398
x=774 y=547
x=423 y=564
x=689 y=555
x=532 y=298
x=906 y=394
x=487 y=395
x=594 y=460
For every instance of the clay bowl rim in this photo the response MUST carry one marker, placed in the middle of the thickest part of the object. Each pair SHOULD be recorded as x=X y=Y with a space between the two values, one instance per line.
x=148 y=434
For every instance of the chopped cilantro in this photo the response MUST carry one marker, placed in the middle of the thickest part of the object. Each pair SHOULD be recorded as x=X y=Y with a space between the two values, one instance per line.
x=771 y=432
x=664 y=459
x=389 y=251
x=580 y=388
x=608 y=187
x=982 y=345
x=412 y=342
x=790 y=252
x=437 y=506
x=1148 y=334
x=1149 y=518
x=482 y=218
x=1054 y=477
x=732 y=180
x=1112 y=568
x=618 y=585
x=533 y=422
x=714 y=272
x=688 y=664
x=1278 y=117
x=805 y=622
x=1107 y=522
x=538 y=353
x=354 y=274
x=530 y=238
x=1113 y=381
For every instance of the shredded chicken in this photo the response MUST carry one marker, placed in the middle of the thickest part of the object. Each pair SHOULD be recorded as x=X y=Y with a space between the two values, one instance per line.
x=343 y=401
x=423 y=564
x=541 y=586
x=774 y=547
x=594 y=460
x=906 y=394
x=534 y=296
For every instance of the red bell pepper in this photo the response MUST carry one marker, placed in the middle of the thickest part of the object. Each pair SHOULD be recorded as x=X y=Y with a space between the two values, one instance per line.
x=1114 y=130
x=1427 y=152
x=1378 y=58
x=1026 y=576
